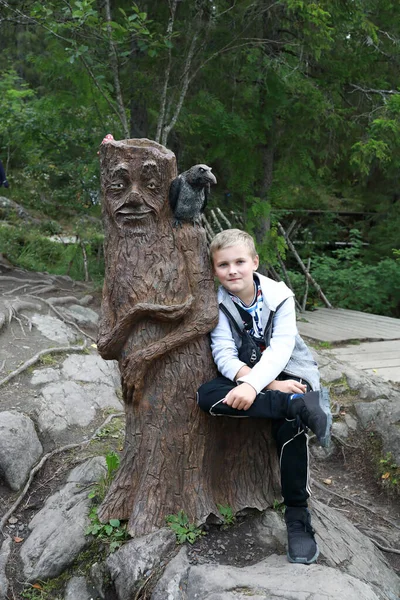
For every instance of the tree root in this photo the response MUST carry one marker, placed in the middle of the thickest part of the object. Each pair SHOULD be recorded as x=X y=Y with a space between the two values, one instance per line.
x=356 y=502
x=68 y=299
x=38 y=356
x=42 y=461
x=60 y=316
x=383 y=548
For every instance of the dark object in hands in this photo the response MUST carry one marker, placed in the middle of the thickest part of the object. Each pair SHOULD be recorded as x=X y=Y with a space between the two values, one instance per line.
x=188 y=193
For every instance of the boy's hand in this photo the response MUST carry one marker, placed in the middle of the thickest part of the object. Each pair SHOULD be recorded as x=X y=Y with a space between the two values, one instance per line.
x=241 y=397
x=289 y=386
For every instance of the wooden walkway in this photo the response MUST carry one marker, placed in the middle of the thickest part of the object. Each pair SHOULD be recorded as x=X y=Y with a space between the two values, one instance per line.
x=377 y=350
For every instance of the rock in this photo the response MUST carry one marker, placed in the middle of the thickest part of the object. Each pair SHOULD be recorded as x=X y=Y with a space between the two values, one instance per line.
x=344 y=547
x=368 y=389
x=98 y=576
x=331 y=372
x=383 y=416
x=58 y=529
x=169 y=586
x=273 y=578
x=128 y=565
x=54 y=329
x=5 y=551
x=91 y=368
x=20 y=448
x=78 y=589
x=41 y=376
x=341 y=429
x=351 y=422
x=86 y=384
x=81 y=315
x=63 y=405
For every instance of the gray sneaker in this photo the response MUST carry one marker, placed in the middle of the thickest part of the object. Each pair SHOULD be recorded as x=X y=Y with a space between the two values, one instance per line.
x=302 y=547
x=314 y=411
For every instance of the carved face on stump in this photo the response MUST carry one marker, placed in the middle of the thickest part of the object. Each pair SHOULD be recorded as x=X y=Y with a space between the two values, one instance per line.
x=135 y=187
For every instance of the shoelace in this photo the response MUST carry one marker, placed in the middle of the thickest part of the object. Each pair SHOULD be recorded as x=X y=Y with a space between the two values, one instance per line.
x=300 y=527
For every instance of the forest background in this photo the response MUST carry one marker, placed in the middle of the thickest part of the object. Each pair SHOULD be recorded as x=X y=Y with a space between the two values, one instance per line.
x=294 y=103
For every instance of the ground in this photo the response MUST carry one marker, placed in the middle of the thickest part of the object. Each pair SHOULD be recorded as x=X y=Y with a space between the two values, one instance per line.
x=350 y=470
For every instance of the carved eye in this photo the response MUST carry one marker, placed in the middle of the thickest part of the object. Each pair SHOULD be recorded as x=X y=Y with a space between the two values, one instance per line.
x=151 y=186
x=202 y=170
x=117 y=186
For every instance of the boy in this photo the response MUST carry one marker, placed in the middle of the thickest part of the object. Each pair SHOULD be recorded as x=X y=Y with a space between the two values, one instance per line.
x=279 y=381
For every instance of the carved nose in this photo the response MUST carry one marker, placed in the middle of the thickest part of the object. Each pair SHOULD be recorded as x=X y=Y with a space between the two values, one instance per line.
x=134 y=197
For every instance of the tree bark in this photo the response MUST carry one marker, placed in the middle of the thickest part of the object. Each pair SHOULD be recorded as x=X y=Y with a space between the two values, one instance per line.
x=159 y=304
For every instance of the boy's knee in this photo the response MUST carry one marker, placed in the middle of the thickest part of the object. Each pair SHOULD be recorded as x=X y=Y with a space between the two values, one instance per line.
x=211 y=392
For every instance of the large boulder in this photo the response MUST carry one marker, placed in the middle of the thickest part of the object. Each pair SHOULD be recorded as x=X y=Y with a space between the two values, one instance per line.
x=58 y=529
x=20 y=448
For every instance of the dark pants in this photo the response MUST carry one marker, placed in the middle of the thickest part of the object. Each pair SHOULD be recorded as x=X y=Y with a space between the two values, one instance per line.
x=291 y=440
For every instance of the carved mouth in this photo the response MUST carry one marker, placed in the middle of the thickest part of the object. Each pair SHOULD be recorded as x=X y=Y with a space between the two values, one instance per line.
x=132 y=213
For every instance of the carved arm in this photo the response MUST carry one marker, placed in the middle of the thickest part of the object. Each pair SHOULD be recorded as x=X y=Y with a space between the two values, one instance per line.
x=110 y=343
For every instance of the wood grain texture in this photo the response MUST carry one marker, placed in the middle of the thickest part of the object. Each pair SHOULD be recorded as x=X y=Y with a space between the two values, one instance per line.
x=159 y=304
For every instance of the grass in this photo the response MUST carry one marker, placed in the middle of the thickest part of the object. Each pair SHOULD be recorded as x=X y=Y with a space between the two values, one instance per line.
x=29 y=248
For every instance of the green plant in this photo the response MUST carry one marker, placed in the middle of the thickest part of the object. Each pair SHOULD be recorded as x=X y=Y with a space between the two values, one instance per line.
x=389 y=472
x=101 y=487
x=227 y=514
x=112 y=533
x=184 y=531
x=52 y=589
x=325 y=345
x=278 y=506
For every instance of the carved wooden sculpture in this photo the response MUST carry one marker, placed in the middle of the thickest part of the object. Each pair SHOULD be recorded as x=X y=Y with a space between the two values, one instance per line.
x=159 y=303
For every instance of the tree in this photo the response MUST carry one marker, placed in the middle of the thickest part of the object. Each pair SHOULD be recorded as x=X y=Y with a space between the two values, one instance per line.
x=158 y=306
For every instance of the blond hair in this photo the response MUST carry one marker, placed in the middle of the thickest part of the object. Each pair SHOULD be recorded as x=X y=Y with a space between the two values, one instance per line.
x=232 y=237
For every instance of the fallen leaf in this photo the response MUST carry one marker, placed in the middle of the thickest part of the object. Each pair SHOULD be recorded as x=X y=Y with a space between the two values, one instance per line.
x=37 y=586
x=327 y=481
x=18 y=540
x=93 y=345
x=386 y=476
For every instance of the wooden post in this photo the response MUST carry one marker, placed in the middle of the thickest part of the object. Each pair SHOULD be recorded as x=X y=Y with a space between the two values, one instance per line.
x=159 y=303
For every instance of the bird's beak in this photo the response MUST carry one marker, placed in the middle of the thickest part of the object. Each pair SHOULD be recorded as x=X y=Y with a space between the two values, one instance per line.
x=211 y=177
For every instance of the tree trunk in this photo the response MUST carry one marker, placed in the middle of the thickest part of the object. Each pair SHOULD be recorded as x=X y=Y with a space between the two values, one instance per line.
x=159 y=303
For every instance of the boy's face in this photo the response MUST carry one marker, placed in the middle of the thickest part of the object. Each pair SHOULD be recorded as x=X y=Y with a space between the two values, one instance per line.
x=234 y=266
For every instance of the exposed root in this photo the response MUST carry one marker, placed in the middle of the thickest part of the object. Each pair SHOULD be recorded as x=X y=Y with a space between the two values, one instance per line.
x=42 y=461
x=384 y=548
x=44 y=289
x=356 y=502
x=60 y=316
x=24 y=281
x=37 y=357
x=68 y=299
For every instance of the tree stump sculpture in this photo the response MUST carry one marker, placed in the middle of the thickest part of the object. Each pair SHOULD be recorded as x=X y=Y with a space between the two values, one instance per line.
x=159 y=303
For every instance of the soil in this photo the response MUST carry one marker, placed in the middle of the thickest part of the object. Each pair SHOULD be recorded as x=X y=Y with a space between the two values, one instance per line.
x=350 y=471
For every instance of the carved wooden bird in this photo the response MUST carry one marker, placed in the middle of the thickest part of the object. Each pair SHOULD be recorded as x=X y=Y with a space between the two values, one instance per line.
x=188 y=194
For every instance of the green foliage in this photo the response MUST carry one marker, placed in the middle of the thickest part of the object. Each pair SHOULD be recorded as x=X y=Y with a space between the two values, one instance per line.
x=28 y=248
x=227 y=514
x=113 y=533
x=278 y=506
x=298 y=110
x=101 y=487
x=349 y=282
x=184 y=531
x=389 y=472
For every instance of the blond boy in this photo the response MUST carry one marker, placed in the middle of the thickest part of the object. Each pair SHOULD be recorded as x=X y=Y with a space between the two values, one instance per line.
x=266 y=371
